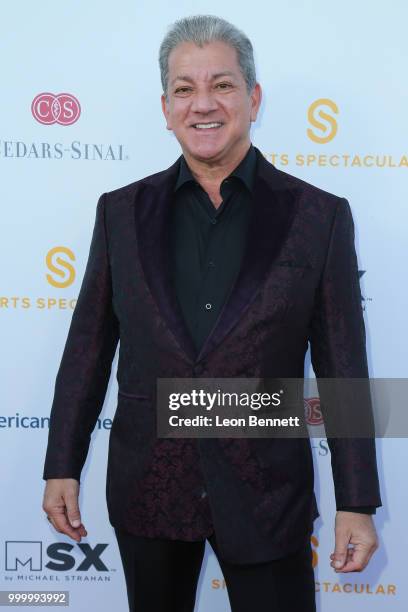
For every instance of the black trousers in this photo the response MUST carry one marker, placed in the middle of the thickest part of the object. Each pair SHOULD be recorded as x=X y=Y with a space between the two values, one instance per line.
x=161 y=576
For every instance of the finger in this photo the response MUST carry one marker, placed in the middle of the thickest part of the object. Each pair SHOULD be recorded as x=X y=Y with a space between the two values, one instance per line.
x=350 y=549
x=357 y=562
x=61 y=524
x=82 y=531
x=72 y=509
x=71 y=531
x=340 y=551
x=349 y=557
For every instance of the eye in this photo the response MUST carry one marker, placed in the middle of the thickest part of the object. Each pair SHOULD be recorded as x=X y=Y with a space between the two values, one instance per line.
x=223 y=85
x=182 y=90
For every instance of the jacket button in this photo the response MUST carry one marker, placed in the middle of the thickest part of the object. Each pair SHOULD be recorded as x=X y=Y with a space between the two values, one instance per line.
x=198 y=368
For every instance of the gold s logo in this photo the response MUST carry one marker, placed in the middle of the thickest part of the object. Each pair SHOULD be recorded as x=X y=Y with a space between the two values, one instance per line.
x=312 y=115
x=65 y=270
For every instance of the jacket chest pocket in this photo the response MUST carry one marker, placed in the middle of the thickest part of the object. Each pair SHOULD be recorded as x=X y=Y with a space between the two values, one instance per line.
x=290 y=280
x=289 y=287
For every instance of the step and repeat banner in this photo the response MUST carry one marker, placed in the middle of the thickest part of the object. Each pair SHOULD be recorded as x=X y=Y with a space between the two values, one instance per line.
x=80 y=115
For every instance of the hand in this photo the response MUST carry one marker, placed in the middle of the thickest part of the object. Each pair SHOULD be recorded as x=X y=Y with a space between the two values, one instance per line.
x=61 y=506
x=357 y=529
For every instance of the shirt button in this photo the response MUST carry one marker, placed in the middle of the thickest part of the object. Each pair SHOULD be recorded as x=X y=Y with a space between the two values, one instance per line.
x=208 y=306
x=213 y=221
x=211 y=264
x=203 y=494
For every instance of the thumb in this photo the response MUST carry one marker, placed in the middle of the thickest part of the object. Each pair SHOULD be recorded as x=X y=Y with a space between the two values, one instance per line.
x=73 y=514
x=340 y=550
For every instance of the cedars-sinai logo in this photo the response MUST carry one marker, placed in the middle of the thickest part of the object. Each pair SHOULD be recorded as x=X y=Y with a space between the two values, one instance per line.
x=63 y=108
x=313 y=411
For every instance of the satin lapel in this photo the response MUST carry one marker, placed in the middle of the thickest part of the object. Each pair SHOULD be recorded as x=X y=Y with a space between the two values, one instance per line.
x=273 y=212
x=152 y=218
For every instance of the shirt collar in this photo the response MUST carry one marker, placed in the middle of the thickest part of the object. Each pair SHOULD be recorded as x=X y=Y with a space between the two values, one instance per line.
x=245 y=171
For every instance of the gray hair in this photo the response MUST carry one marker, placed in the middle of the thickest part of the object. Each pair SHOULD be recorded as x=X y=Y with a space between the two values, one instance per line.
x=201 y=30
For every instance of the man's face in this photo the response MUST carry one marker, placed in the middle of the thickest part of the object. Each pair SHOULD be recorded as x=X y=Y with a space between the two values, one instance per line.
x=206 y=87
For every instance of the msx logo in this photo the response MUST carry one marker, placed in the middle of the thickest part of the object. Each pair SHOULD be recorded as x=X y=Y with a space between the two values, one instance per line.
x=29 y=554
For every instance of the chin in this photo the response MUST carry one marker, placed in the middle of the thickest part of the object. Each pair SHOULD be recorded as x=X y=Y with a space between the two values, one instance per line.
x=205 y=152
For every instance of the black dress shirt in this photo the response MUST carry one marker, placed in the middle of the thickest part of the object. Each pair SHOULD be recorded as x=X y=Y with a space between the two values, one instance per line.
x=207 y=245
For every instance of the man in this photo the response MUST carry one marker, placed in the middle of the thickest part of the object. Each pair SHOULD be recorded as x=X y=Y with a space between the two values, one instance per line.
x=219 y=266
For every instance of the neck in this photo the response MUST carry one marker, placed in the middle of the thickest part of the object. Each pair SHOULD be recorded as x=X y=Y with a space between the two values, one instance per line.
x=211 y=173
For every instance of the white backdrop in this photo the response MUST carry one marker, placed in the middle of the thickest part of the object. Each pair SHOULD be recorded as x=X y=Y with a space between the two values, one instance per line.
x=334 y=113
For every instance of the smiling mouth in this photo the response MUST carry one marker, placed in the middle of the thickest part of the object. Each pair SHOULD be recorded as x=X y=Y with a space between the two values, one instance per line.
x=207 y=126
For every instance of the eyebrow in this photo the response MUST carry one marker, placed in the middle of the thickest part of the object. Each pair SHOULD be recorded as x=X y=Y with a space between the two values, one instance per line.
x=217 y=75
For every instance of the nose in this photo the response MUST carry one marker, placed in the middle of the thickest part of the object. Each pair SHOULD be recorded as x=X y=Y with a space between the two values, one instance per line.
x=203 y=102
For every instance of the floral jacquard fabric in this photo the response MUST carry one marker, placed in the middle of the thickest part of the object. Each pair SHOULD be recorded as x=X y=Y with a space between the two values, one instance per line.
x=298 y=286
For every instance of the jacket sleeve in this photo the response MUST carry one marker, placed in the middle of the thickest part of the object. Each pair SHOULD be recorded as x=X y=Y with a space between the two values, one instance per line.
x=85 y=367
x=338 y=350
x=361 y=509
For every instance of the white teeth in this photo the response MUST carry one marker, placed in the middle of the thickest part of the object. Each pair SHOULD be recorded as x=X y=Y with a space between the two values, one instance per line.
x=206 y=125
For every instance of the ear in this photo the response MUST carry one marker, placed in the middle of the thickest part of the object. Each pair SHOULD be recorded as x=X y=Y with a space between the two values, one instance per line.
x=166 y=112
x=256 y=97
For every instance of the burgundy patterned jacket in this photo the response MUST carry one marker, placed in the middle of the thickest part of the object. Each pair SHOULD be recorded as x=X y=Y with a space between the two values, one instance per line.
x=298 y=284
